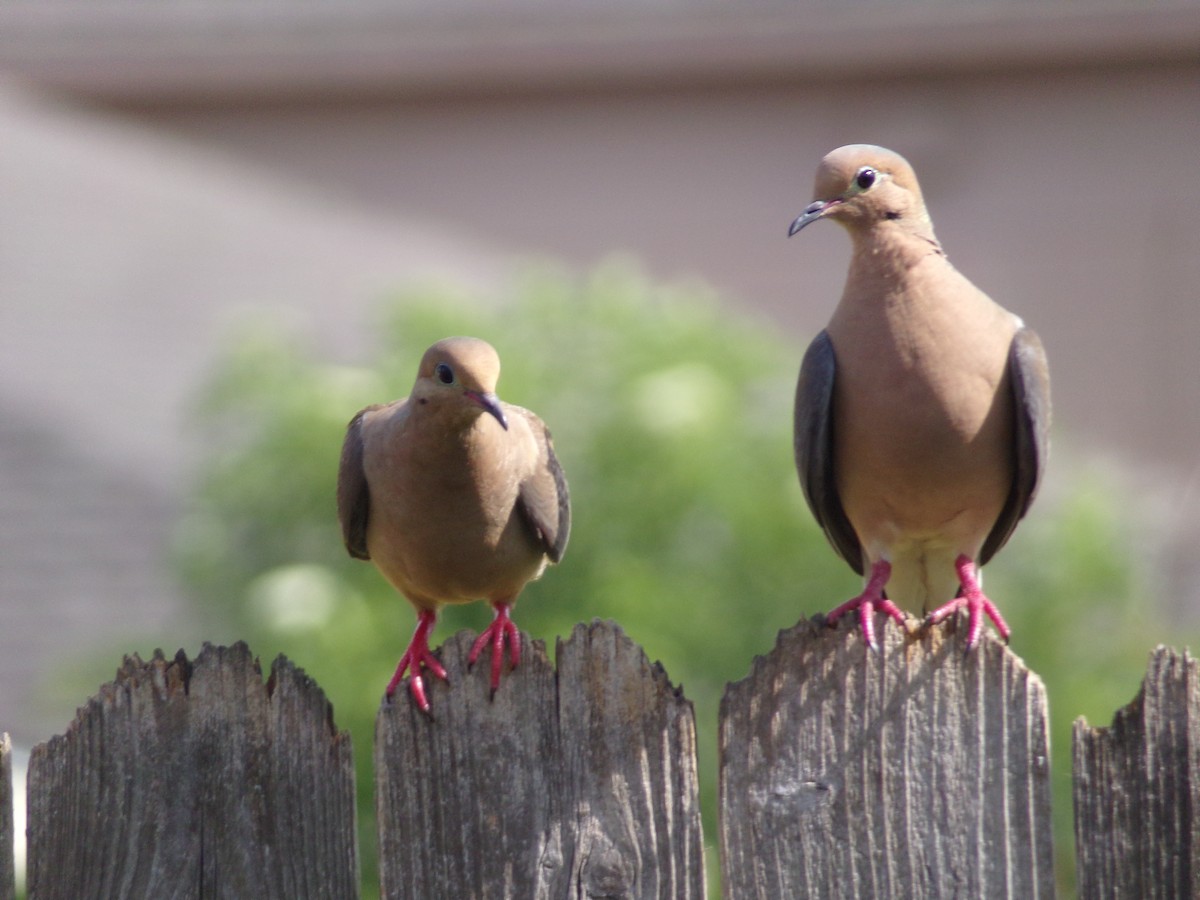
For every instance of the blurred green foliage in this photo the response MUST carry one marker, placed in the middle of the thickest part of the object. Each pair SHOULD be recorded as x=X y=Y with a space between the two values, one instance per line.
x=672 y=418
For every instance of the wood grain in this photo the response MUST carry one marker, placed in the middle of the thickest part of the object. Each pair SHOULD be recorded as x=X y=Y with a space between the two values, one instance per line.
x=1137 y=790
x=196 y=779
x=575 y=783
x=919 y=771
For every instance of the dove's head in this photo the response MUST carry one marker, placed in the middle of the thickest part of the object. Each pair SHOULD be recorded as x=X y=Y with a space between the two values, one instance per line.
x=460 y=373
x=862 y=186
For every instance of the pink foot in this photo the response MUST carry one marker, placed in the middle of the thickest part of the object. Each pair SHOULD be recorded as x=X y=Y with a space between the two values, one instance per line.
x=417 y=655
x=972 y=597
x=501 y=629
x=870 y=600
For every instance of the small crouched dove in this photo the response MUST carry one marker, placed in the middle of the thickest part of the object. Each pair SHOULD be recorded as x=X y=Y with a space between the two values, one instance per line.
x=922 y=410
x=455 y=496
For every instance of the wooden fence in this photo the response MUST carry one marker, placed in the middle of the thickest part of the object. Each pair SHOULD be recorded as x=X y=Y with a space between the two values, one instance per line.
x=917 y=772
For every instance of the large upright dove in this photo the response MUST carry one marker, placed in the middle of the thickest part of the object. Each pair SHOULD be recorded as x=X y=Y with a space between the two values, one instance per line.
x=455 y=496
x=922 y=409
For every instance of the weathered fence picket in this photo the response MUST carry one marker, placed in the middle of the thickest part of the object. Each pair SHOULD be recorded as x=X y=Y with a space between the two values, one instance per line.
x=8 y=883
x=919 y=771
x=578 y=785
x=1137 y=790
x=195 y=779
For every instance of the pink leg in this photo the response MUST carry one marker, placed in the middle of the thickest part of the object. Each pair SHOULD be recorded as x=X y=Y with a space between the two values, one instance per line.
x=870 y=600
x=502 y=628
x=972 y=597
x=417 y=655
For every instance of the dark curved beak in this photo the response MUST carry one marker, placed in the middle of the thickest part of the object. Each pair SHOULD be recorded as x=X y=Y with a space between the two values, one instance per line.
x=812 y=212
x=490 y=404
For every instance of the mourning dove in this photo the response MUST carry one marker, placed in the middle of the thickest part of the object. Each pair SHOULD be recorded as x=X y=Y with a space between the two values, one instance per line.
x=922 y=409
x=455 y=496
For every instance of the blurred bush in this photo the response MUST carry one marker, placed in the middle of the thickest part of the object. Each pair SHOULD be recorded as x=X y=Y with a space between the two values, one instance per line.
x=672 y=418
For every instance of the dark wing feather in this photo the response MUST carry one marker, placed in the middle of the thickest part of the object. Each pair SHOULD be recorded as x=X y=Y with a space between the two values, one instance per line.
x=1029 y=376
x=544 y=500
x=353 y=494
x=814 y=449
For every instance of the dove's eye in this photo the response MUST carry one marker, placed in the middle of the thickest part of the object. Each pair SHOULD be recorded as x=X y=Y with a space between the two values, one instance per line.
x=865 y=178
x=444 y=373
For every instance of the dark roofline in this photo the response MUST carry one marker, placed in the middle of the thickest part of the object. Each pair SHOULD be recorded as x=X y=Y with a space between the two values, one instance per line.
x=141 y=52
